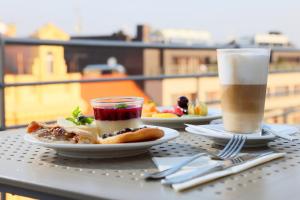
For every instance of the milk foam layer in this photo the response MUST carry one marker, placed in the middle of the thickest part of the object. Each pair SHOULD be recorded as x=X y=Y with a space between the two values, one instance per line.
x=243 y=66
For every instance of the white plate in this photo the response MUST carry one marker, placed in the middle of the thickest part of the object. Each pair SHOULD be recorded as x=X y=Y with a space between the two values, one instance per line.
x=104 y=150
x=253 y=140
x=180 y=121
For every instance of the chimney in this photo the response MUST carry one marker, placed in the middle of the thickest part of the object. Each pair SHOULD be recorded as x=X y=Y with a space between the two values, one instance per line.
x=143 y=33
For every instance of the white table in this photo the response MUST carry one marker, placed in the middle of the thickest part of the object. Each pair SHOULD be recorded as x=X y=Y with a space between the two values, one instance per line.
x=38 y=172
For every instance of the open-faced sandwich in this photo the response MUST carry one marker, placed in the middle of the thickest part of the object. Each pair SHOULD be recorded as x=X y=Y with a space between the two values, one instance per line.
x=80 y=129
x=79 y=121
x=56 y=133
x=75 y=129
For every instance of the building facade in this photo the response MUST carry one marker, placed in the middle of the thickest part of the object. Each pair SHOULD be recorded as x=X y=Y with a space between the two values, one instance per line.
x=47 y=63
x=50 y=63
x=39 y=64
x=284 y=68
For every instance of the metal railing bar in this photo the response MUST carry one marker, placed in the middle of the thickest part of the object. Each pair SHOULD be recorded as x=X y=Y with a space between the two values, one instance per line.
x=16 y=126
x=25 y=125
x=2 y=88
x=104 y=43
x=130 y=44
x=133 y=78
x=278 y=71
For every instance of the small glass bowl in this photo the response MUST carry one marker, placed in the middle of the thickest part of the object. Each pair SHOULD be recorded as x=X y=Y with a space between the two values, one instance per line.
x=116 y=113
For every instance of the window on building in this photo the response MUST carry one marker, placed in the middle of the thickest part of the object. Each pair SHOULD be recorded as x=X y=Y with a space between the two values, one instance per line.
x=296 y=119
x=207 y=60
x=288 y=59
x=190 y=64
x=49 y=63
x=275 y=119
x=212 y=97
x=281 y=91
x=297 y=89
x=268 y=92
x=17 y=62
x=176 y=61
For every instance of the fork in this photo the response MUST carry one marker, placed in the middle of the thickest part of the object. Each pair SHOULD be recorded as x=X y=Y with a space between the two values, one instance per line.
x=221 y=165
x=231 y=150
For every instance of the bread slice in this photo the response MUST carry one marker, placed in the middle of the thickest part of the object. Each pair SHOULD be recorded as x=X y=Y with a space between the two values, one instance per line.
x=141 y=135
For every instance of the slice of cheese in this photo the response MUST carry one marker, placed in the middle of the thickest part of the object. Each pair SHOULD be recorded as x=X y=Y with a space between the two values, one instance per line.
x=90 y=128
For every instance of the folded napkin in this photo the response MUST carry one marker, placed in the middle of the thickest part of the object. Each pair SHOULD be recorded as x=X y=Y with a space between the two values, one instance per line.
x=163 y=163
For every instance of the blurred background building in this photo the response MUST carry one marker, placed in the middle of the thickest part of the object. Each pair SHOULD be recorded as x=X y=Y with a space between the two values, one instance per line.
x=47 y=63
x=271 y=39
x=39 y=63
x=177 y=52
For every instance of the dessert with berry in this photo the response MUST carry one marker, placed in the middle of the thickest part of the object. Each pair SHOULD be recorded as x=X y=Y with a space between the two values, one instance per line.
x=117 y=113
x=184 y=108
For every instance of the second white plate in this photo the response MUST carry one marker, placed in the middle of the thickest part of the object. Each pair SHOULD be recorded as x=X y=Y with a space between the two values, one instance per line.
x=180 y=121
x=253 y=140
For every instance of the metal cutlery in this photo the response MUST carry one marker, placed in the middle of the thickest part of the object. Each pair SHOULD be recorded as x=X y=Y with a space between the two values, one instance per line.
x=220 y=165
x=171 y=170
x=268 y=129
x=231 y=149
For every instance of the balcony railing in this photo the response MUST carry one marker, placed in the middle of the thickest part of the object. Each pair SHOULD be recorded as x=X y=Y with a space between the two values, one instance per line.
x=92 y=43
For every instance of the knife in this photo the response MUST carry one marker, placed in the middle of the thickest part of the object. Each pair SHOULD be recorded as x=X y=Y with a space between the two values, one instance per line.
x=221 y=165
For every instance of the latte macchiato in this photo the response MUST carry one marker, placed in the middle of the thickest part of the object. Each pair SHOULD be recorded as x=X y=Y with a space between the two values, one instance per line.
x=243 y=107
x=243 y=76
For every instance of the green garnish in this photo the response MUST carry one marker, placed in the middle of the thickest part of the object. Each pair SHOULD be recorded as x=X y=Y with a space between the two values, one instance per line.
x=121 y=105
x=76 y=112
x=78 y=118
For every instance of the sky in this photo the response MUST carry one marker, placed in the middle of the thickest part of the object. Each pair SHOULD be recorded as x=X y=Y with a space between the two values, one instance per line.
x=224 y=19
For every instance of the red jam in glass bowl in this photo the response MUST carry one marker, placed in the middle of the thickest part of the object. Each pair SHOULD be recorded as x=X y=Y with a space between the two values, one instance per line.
x=116 y=113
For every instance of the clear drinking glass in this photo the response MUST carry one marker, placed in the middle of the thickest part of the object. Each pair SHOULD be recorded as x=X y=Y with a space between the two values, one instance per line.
x=243 y=75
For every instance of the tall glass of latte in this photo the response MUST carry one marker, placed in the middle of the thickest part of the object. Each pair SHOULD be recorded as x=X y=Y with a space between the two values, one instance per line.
x=243 y=75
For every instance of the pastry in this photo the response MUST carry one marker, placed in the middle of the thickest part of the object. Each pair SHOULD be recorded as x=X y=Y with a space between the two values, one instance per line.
x=128 y=135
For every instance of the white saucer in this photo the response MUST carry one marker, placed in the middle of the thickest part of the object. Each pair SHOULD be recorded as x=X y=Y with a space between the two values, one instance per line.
x=103 y=150
x=180 y=121
x=253 y=140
